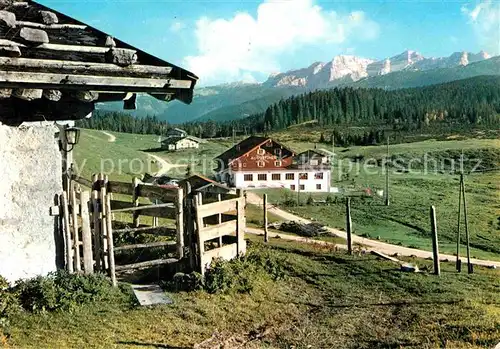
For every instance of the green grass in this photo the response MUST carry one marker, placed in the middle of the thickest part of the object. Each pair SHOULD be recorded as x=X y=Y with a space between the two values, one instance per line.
x=326 y=300
x=121 y=160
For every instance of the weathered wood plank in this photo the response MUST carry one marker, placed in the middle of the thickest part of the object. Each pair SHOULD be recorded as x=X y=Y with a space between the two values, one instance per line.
x=120 y=188
x=87 y=82
x=147 y=264
x=179 y=220
x=161 y=210
x=157 y=192
x=215 y=231
x=162 y=231
x=227 y=252
x=83 y=181
x=110 y=243
x=67 y=232
x=88 y=264
x=217 y=207
x=50 y=26
x=147 y=245
x=74 y=222
x=83 y=68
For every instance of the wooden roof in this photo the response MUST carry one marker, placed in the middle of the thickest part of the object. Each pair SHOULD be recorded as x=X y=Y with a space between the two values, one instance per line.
x=244 y=147
x=53 y=67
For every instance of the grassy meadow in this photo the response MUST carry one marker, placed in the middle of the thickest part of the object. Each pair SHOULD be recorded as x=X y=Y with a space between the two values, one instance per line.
x=321 y=299
x=405 y=221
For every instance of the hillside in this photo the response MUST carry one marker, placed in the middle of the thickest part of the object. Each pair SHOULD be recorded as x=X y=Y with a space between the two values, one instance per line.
x=235 y=100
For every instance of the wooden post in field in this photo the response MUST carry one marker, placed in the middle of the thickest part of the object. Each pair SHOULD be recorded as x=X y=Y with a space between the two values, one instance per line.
x=179 y=209
x=467 y=237
x=67 y=232
x=219 y=218
x=88 y=265
x=189 y=226
x=348 y=224
x=266 y=231
x=109 y=238
x=435 y=245
x=387 y=175
x=458 y=264
x=74 y=220
x=135 y=201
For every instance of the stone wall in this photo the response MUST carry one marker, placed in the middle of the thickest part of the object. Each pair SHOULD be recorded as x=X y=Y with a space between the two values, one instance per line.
x=30 y=179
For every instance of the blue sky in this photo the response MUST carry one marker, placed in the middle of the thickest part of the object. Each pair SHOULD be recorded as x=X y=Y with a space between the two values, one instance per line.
x=224 y=41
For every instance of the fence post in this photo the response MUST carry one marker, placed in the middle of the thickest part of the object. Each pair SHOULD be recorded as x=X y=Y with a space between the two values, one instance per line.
x=189 y=226
x=348 y=224
x=103 y=236
x=266 y=231
x=135 y=201
x=97 y=227
x=458 y=264
x=199 y=226
x=180 y=222
x=470 y=269
x=74 y=218
x=240 y=223
x=88 y=266
x=67 y=232
x=435 y=247
x=219 y=219
x=109 y=236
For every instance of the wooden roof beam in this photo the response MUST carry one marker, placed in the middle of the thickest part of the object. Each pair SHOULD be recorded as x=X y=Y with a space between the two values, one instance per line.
x=18 y=79
x=83 y=68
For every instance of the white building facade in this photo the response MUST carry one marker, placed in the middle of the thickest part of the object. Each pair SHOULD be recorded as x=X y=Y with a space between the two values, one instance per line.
x=308 y=180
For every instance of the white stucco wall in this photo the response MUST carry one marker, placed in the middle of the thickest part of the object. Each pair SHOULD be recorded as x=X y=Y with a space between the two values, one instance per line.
x=30 y=177
x=238 y=178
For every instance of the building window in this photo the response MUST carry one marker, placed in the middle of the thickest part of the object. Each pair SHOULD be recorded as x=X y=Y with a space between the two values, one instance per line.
x=314 y=162
x=318 y=175
x=302 y=187
x=261 y=151
x=292 y=187
x=277 y=163
x=276 y=176
x=260 y=164
x=277 y=152
x=318 y=186
x=248 y=177
x=303 y=175
x=262 y=177
x=290 y=176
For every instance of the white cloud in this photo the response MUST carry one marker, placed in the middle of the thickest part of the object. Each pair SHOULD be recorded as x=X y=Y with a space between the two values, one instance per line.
x=177 y=26
x=485 y=21
x=231 y=49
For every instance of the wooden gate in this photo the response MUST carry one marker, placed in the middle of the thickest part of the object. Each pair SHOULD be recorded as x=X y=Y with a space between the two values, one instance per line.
x=202 y=231
x=220 y=229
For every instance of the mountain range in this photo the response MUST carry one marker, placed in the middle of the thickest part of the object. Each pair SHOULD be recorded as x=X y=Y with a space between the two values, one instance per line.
x=238 y=100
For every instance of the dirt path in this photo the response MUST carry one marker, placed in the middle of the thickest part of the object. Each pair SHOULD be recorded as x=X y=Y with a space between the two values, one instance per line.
x=164 y=165
x=370 y=245
x=111 y=138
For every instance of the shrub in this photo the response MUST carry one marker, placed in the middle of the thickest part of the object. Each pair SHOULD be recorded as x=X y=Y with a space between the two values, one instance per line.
x=61 y=290
x=184 y=282
x=241 y=274
x=8 y=305
x=329 y=199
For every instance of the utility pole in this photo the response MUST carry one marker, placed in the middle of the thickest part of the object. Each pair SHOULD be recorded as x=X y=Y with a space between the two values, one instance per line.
x=348 y=224
x=469 y=265
x=387 y=175
x=459 y=262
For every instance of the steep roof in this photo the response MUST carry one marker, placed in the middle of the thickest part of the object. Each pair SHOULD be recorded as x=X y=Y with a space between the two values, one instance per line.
x=244 y=147
x=241 y=148
x=54 y=67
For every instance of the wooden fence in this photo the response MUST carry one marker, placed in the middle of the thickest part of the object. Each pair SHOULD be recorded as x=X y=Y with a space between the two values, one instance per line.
x=219 y=222
x=220 y=228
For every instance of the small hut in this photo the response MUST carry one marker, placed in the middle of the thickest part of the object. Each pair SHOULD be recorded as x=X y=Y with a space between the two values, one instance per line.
x=54 y=68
